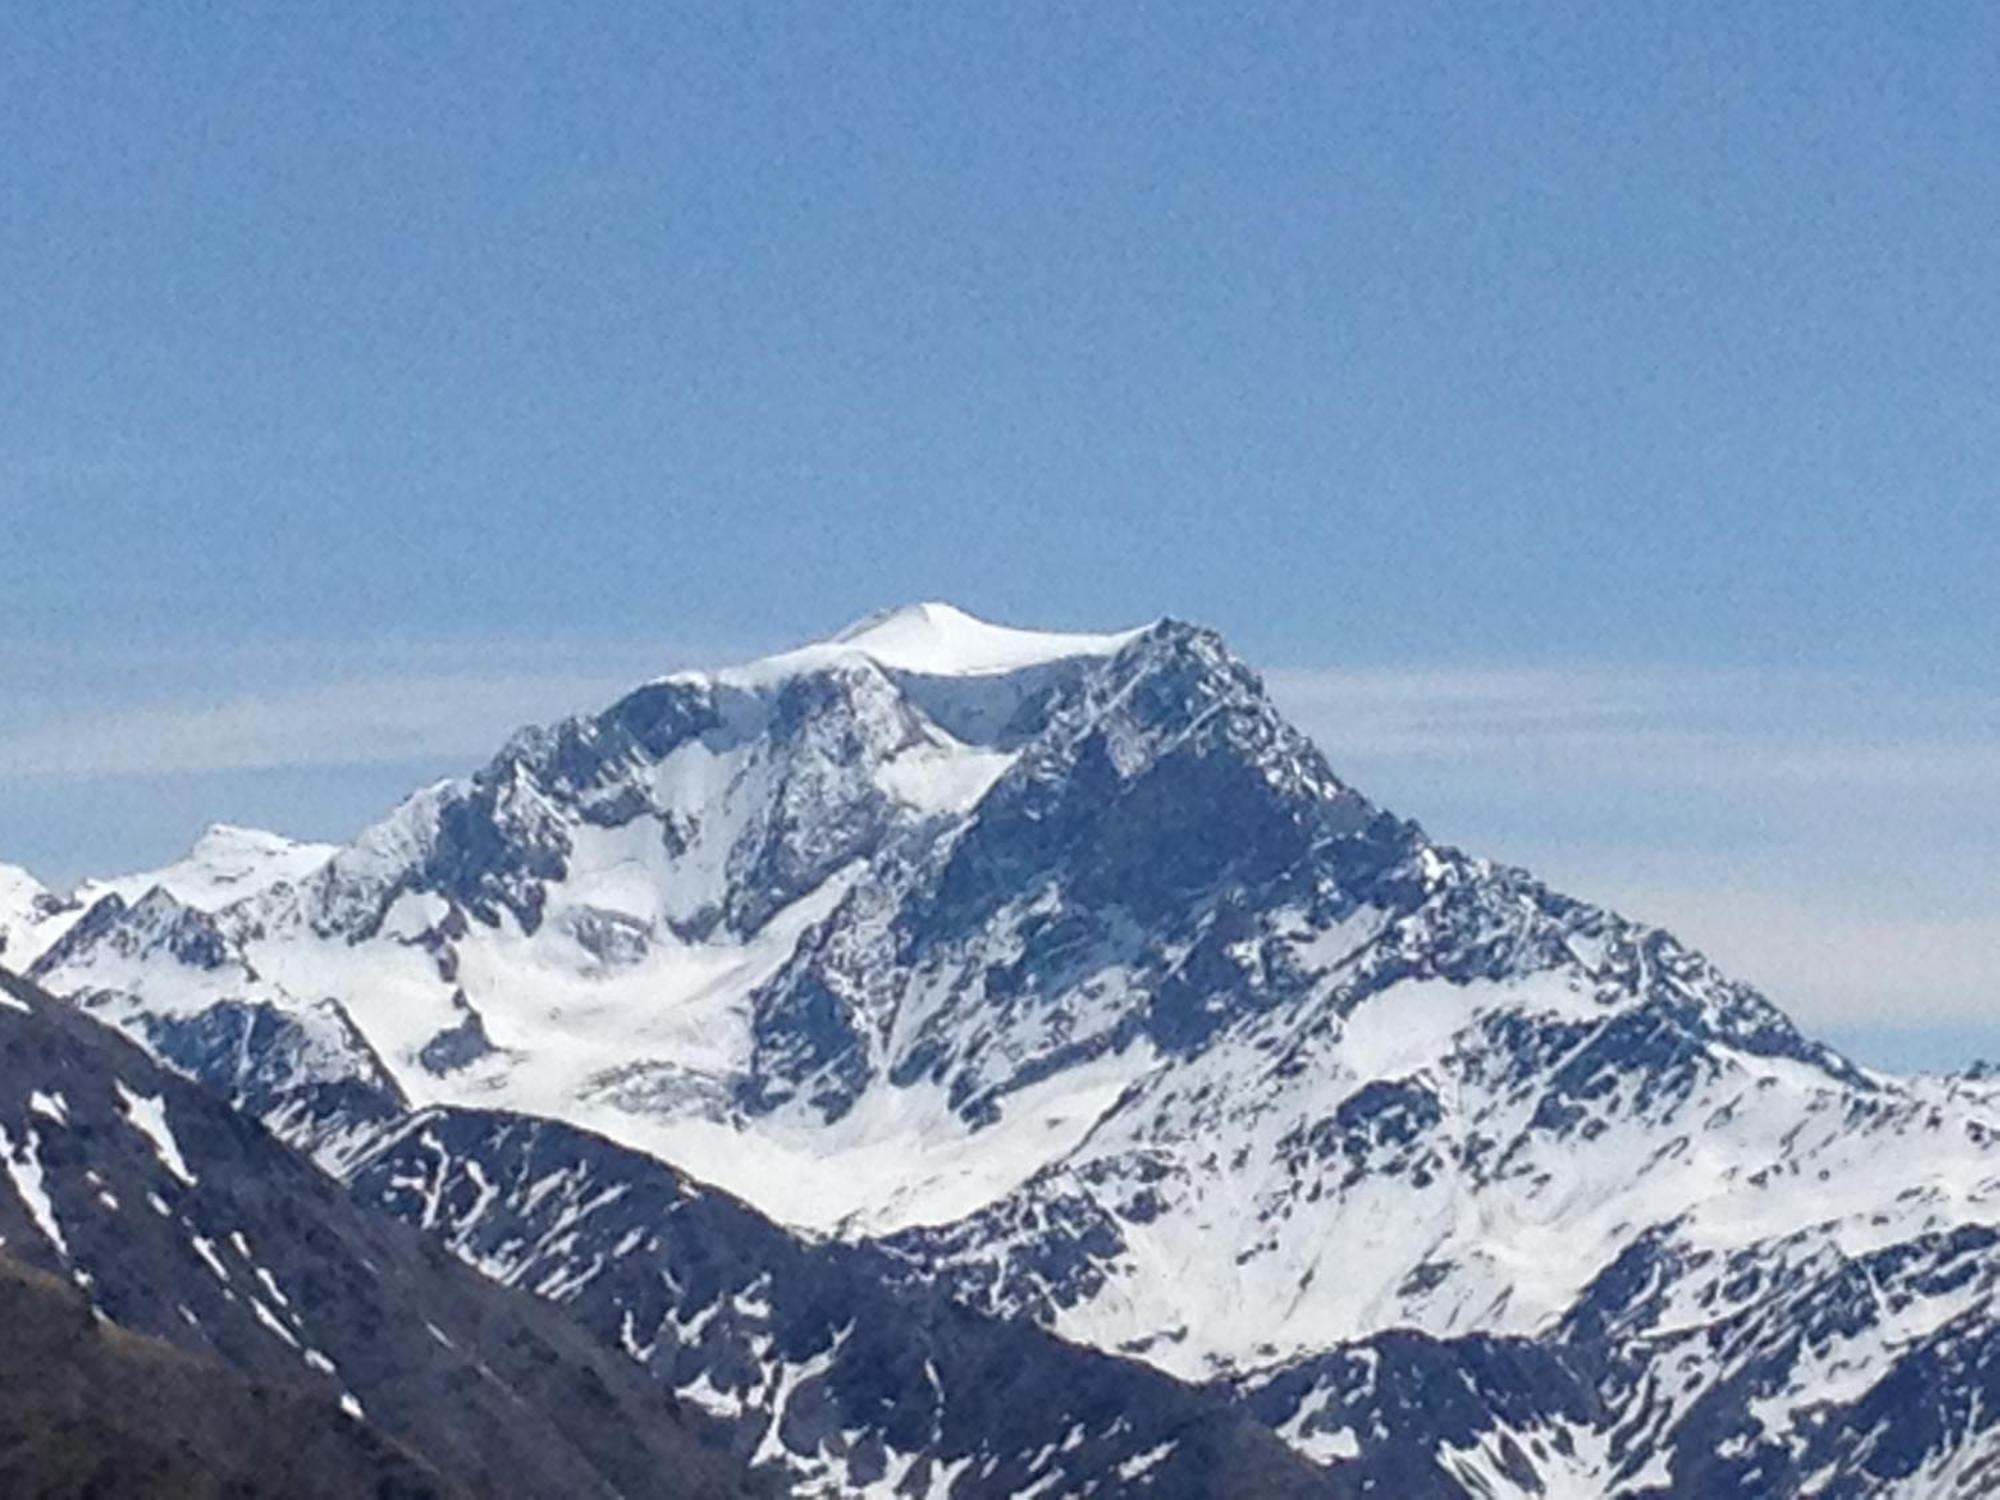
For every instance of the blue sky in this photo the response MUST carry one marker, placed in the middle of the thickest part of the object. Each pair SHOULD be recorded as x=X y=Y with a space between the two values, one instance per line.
x=1591 y=409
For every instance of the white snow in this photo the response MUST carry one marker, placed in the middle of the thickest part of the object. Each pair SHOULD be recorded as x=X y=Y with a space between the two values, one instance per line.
x=939 y=640
x=946 y=777
x=703 y=1392
x=18 y=889
x=604 y=1015
x=277 y=1293
x=225 y=864
x=205 y=1248
x=1321 y=1445
x=24 y=1167
x=149 y=1117
x=26 y=927
x=771 y=1447
x=1143 y=1463
x=272 y=1322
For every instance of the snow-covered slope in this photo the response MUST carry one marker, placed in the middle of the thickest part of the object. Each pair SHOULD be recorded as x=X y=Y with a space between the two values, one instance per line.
x=31 y=917
x=225 y=864
x=1066 y=973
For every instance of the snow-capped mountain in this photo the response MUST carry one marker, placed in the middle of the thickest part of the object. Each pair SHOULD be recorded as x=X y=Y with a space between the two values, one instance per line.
x=1066 y=978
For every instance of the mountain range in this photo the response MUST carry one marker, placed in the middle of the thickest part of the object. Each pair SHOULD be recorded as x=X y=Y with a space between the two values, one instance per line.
x=948 y=1059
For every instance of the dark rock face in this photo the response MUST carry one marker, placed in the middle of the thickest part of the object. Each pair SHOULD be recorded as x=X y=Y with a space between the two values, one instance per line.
x=585 y=756
x=265 y=1063
x=1157 y=782
x=495 y=849
x=1435 y=1396
x=1379 y=1128
x=187 y=1226
x=460 y=1046
x=1161 y=803
x=155 y=924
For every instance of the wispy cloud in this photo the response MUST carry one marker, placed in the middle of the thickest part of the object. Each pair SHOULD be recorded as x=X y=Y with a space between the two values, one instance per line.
x=1827 y=962
x=1825 y=837
x=351 y=723
x=1720 y=728
x=74 y=717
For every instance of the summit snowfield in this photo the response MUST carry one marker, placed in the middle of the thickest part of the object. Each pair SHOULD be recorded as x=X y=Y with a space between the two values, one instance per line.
x=1067 y=979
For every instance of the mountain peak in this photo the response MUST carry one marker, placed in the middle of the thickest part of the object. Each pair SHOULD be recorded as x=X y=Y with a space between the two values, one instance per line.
x=236 y=840
x=924 y=614
x=933 y=638
x=228 y=859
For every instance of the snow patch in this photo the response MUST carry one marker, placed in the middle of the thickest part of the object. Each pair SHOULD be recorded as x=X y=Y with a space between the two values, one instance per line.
x=149 y=1116
x=24 y=1167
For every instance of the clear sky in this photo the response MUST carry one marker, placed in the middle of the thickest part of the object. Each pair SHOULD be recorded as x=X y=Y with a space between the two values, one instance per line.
x=1594 y=406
